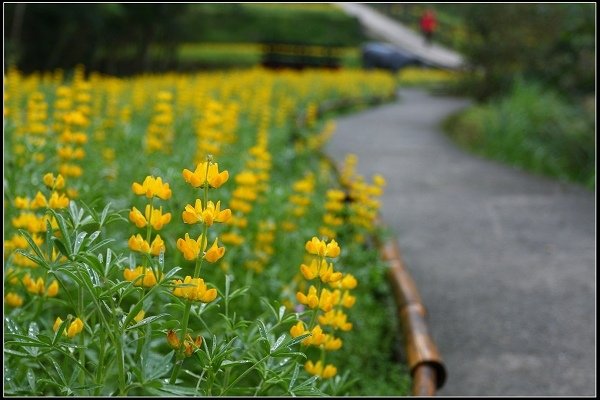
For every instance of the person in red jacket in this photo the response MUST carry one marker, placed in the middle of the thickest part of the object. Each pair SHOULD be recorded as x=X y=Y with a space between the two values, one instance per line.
x=428 y=25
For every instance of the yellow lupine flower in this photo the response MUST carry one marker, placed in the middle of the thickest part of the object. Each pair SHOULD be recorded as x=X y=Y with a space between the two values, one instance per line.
x=57 y=324
x=207 y=215
x=54 y=183
x=75 y=328
x=152 y=187
x=132 y=275
x=200 y=175
x=191 y=248
x=39 y=201
x=13 y=299
x=34 y=286
x=57 y=201
x=337 y=319
x=157 y=219
x=137 y=243
x=310 y=299
x=320 y=248
x=21 y=202
x=232 y=238
x=347 y=282
x=214 y=253
x=332 y=343
x=137 y=218
x=157 y=246
x=195 y=289
x=139 y=316
x=52 y=290
x=298 y=329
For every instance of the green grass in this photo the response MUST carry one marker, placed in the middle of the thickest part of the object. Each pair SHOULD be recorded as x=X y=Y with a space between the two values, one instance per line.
x=534 y=129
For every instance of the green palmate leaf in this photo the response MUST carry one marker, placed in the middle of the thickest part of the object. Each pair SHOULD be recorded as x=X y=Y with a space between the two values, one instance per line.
x=91 y=260
x=61 y=246
x=277 y=343
x=104 y=214
x=294 y=377
x=31 y=243
x=262 y=329
x=59 y=370
x=49 y=243
x=170 y=273
x=33 y=258
x=293 y=341
x=287 y=353
x=64 y=231
x=114 y=289
x=78 y=242
x=93 y=237
x=98 y=245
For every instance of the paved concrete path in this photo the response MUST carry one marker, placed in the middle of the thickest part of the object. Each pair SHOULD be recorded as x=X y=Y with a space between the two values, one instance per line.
x=504 y=260
x=394 y=32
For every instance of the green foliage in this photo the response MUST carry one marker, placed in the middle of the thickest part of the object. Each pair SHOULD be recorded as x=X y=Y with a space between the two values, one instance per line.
x=125 y=38
x=550 y=43
x=532 y=128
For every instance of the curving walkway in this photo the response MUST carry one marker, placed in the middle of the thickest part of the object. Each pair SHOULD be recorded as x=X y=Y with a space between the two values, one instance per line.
x=392 y=31
x=504 y=260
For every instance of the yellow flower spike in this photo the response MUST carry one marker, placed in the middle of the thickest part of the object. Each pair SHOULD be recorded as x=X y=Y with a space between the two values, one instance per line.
x=157 y=246
x=191 y=248
x=137 y=218
x=75 y=328
x=214 y=253
x=57 y=324
x=52 y=290
x=137 y=243
x=13 y=299
x=139 y=316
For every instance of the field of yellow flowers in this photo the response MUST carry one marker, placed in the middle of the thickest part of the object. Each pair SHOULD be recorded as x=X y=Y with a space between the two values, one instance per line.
x=183 y=235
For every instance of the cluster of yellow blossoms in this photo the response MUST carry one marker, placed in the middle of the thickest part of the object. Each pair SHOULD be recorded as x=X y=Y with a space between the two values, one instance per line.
x=332 y=219
x=153 y=218
x=160 y=133
x=364 y=197
x=204 y=212
x=300 y=199
x=328 y=302
x=35 y=224
x=72 y=330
